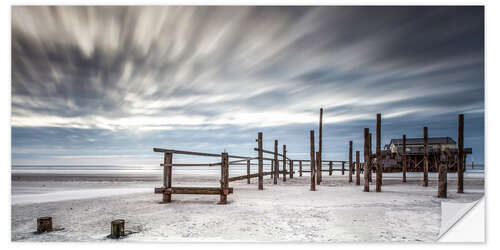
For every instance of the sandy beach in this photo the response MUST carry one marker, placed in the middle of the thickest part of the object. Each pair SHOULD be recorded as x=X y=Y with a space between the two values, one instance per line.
x=288 y=212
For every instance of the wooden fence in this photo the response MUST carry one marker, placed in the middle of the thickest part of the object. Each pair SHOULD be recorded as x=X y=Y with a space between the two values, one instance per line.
x=227 y=160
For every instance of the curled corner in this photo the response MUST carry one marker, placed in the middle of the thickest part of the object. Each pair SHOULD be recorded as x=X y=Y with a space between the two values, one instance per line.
x=453 y=212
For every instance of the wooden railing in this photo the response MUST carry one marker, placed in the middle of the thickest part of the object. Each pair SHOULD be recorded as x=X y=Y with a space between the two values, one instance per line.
x=167 y=190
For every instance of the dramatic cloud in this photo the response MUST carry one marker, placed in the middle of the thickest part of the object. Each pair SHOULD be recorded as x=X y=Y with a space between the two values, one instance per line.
x=90 y=77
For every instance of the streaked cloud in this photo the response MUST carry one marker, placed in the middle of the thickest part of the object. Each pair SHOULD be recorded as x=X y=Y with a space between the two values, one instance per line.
x=147 y=69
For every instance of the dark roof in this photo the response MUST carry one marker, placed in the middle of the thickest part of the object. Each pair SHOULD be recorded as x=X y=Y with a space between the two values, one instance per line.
x=420 y=141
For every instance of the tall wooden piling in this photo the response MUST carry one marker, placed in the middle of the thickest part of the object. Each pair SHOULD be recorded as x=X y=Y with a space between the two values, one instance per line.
x=284 y=162
x=370 y=152
x=443 y=175
x=378 y=187
x=261 y=163
x=224 y=182
x=366 y=158
x=300 y=168
x=426 y=160
x=460 y=167
x=167 y=176
x=343 y=167
x=320 y=147
x=291 y=169
x=276 y=163
x=248 y=171
x=350 y=161
x=358 y=169
x=330 y=168
x=404 y=158
x=313 y=161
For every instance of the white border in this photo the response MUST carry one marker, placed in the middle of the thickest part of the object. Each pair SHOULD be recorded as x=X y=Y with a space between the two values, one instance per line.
x=492 y=13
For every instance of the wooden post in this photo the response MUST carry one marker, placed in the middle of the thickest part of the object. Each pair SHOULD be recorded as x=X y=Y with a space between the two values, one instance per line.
x=460 y=167
x=44 y=224
x=272 y=169
x=313 y=181
x=426 y=164
x=291 y=169
x=284 y=162
x=318 y=169
x=300 y=168
x=117 y=229
x=248 y=171
x=261 y=177
x=276 y=163
x=404 y=158
x=443 y=175
x=317 y=164
x=378 y=187
x=343 y=167
x=167 y=176
x=367 y=161
x=330 y=168
x=465 y=162
x=224 y=178
x=370 y=158
x=358 y=181
x=320 y=147
x=350 y=161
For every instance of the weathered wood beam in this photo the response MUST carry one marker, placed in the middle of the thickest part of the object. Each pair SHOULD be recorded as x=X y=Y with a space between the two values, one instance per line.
x=417 y=164
x=307 y=160
x=330 y=167
x=366 y=157
x=426 y=162
x=350 y=161
x=324 y=170
x=404 y=158
x=189 y=164
x=44 y=224
x=320 y=146
x=117 y=229
x=192 y=190
x=270 y=152
x=260 y=168
x=371 y=157
x=242 y=177
x=460 y=167
x=224 y=178
x=284 y=161
x=358 y=169
x=243 y=160
x=300 y=168
x=173 y=151
x=248 y=171
x=378 y=181
x=167 y=176
x=312 y=163
x=276 y=163
x=318 y=163
x=443 y=175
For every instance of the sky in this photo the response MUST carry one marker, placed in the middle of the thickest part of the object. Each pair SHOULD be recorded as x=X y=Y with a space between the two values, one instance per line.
x=104 y=85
